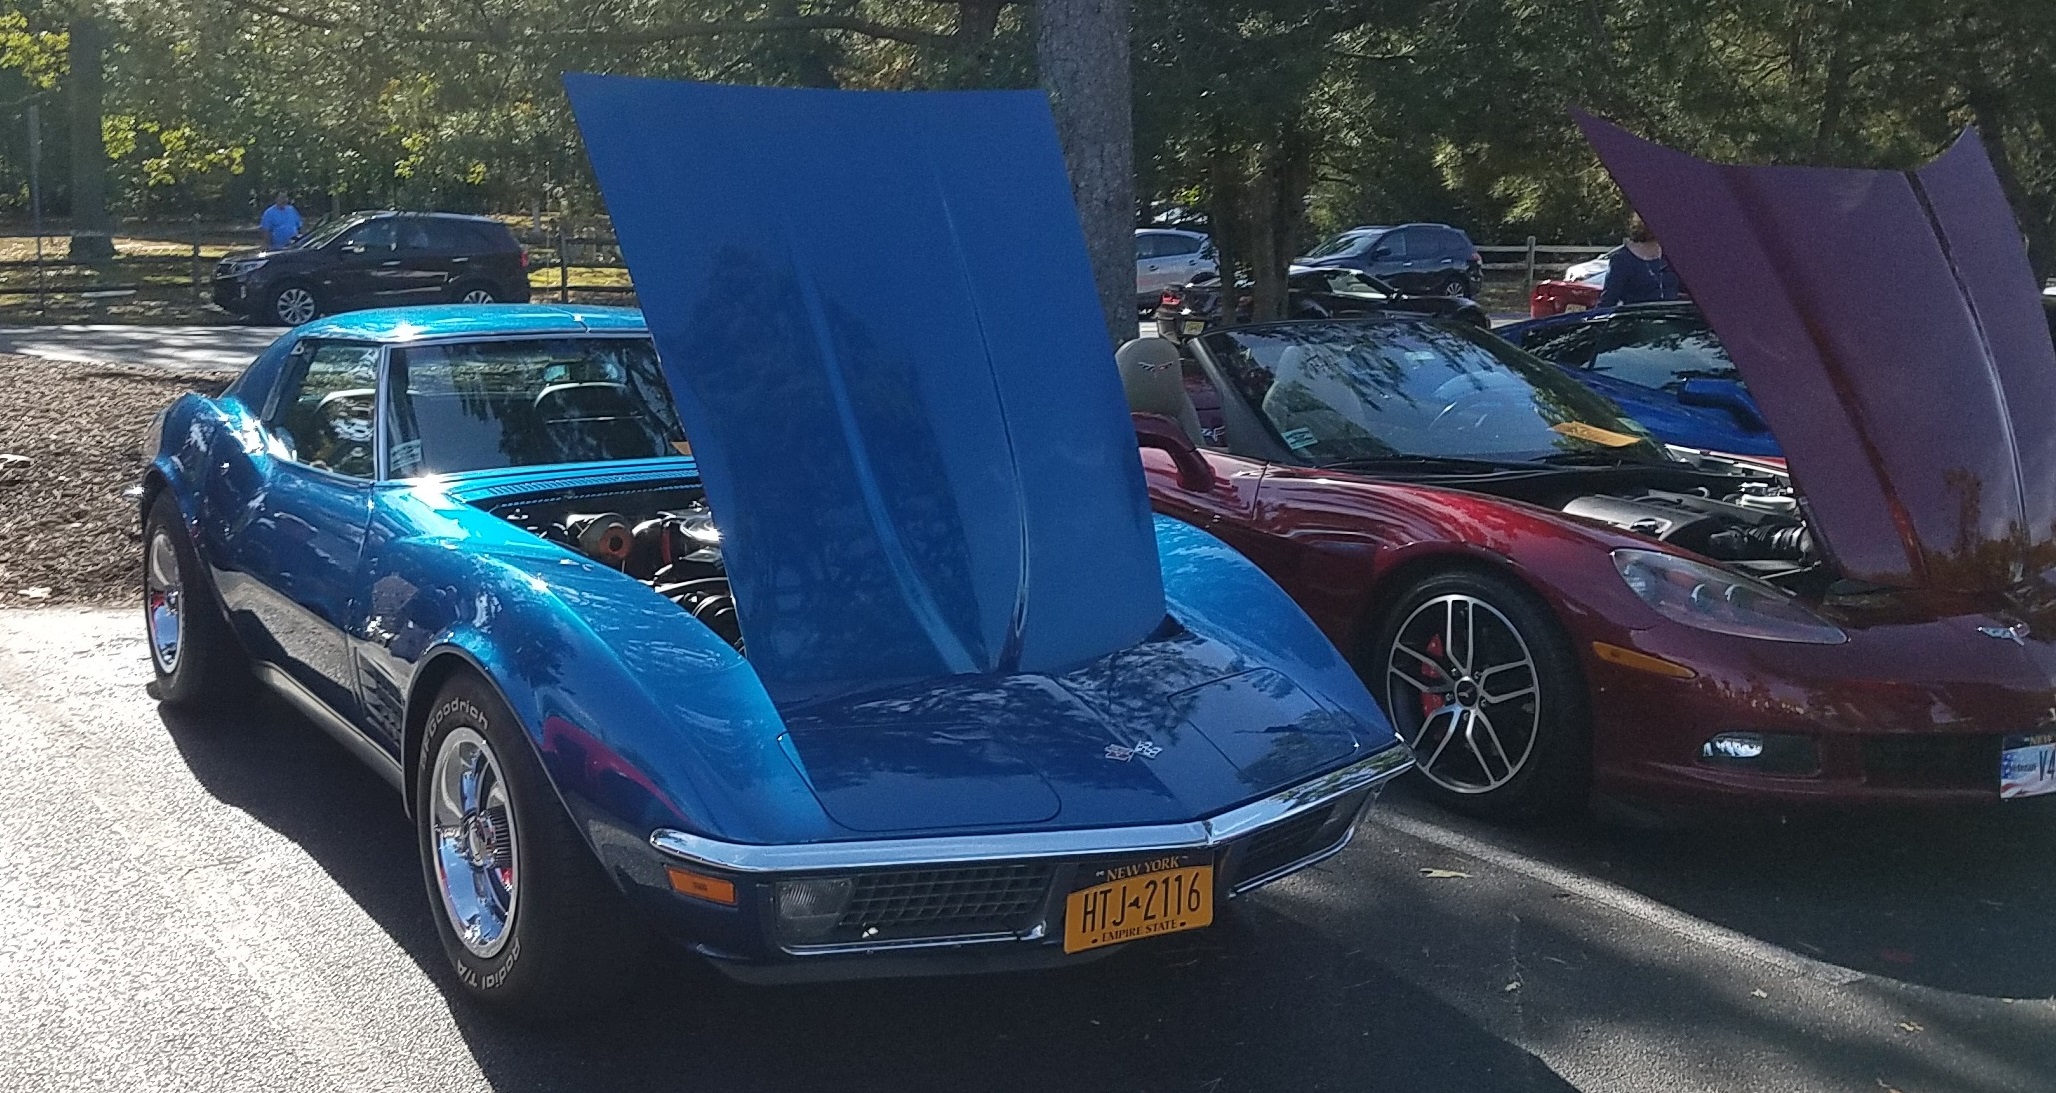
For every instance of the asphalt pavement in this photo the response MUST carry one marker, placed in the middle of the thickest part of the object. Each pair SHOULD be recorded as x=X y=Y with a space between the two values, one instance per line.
x=231 y=903
x=167 y=348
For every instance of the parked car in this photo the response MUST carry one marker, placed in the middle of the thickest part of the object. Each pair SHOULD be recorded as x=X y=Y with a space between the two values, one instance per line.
x=1662 y=364
x=1547 y=601
x=1165 y=257
x=375 y=259
x=1421 y=259
x=1326 y=292
x=1577 y=290
x=878 y=719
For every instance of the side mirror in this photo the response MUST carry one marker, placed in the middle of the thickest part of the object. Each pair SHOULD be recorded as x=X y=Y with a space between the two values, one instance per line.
x=1727 y=395
x=351 y=248
x=1160 y=432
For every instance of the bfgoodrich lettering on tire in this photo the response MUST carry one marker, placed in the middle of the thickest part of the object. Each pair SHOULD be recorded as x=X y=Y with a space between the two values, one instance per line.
x=526 y=916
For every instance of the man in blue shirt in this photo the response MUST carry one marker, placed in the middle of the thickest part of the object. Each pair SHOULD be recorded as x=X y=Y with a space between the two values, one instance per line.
x=280 y=223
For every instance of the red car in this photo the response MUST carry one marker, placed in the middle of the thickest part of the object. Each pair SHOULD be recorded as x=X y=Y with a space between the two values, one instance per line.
x=1548 y=602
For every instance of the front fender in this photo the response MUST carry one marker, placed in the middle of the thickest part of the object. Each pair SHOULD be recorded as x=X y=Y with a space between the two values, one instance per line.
x=1215 y=591
x=641 y=716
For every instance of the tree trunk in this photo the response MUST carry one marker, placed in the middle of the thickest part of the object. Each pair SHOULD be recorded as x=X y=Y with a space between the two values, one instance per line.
x=2034 y=217
x=90 y=238
x=1279 y=202
x=1227 y=205
x=1081 y=49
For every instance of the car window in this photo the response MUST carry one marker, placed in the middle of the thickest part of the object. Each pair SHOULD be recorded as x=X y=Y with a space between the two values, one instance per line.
x=1661 y=352
x=1145 y=247
x=1567 y=344
x=450 y=236
x=1346 y=243
x=1342 y=392
x=372 y=235
x=1180 y=245
x=323 y=416
x=469 y=406
x=1393 y=243
x=1206 y=404
x=1339 y=282
x=413 y=234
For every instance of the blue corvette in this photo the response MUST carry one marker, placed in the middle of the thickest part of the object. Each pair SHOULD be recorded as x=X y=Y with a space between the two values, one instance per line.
x=1663 y=365
x=826 y=640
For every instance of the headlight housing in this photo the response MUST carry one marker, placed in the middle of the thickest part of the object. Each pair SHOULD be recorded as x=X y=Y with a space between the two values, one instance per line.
x=1709 y=598
x=243 y=267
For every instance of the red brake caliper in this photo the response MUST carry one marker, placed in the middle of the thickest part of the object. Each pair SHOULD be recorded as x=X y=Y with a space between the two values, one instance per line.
x=1431 y=703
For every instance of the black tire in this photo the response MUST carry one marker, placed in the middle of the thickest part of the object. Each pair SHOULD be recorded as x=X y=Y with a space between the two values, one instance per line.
x=290 y=303
x=201 y=663
x=470 y=292
x=1513 y=758
x=1456 y=284
x=569 y=942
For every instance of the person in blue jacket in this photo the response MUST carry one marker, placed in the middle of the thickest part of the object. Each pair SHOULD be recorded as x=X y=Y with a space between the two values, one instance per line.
x=1638 y=273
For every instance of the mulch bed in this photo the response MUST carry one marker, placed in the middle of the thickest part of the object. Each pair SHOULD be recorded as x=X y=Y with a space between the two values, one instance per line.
x=67 y=535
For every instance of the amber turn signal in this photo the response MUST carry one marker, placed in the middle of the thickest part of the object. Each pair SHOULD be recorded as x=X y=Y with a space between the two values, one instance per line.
x=702 y=886
x=1641 y=662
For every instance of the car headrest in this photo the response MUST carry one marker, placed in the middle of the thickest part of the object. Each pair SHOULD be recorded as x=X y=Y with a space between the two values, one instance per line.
x=1152 y=375
x=593 y=399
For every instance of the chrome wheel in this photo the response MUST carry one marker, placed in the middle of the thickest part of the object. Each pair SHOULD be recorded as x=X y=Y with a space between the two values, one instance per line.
x=293 y=305
x=477 y=296
x=474 y=840
x=1463 y=692
x=163 y=600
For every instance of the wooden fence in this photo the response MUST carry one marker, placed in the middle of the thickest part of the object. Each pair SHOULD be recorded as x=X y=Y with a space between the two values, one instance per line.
x=562 y=263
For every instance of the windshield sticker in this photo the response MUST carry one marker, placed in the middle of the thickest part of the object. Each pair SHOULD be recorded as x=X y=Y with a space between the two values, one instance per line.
x=1593 y=433
x=1300 y=440
x=406 y=458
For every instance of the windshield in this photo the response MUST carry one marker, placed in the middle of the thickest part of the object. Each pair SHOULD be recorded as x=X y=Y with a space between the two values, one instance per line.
x=470 y=406
x=1339 y=392
x=1341 y=244
x=321 y=233
x=1341 y=282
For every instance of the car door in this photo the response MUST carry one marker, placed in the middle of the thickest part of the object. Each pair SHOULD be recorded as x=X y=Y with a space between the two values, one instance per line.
x=290 y=507
x=428 y=249
x=1386 y=258
x=1150 y=279
x=1180 y=259
x=367 y=267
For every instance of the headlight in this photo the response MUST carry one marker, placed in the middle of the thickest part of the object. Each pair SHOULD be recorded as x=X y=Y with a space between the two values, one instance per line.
x=1708 y=598
x=243 y=267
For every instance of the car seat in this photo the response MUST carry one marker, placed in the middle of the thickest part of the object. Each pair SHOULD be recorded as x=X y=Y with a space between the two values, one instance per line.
x=1152 y=376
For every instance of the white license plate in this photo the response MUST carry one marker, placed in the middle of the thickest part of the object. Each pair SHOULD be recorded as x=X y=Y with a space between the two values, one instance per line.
x=2027 y=765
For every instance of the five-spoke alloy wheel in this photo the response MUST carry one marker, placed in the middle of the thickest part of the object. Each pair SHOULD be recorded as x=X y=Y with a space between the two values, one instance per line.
x=1480 y=683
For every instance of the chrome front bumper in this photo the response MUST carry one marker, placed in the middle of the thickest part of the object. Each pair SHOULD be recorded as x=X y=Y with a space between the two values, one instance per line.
x=1257 y=843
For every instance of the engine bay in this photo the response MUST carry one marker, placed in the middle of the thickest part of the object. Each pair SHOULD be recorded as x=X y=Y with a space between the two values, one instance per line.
x=664 y=538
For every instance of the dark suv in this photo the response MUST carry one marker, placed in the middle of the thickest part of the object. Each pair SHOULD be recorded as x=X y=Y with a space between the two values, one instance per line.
x=1420 y=259
x=376 y=259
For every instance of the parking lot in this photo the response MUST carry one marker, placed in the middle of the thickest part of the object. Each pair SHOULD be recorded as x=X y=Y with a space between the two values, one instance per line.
x=230 y=902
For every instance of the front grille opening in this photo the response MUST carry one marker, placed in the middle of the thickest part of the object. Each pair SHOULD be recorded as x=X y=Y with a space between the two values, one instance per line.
x=918 y=904
x=1932 y=762
x=1294 y=840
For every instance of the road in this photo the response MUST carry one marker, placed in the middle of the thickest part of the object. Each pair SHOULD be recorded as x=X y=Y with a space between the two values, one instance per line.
x=169 y=348
x=229 y=903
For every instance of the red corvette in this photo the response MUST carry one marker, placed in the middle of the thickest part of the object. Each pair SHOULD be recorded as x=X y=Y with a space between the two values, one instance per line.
x=1548 y=602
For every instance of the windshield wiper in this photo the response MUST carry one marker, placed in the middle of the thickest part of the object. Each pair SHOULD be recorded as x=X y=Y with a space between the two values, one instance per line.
x=1590 y=459
x=1428 y=462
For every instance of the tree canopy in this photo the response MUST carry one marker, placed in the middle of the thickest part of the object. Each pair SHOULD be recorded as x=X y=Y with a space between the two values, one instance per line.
x=1277 y=120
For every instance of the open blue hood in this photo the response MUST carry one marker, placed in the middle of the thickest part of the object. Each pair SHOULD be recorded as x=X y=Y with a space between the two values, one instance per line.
x=879 y=324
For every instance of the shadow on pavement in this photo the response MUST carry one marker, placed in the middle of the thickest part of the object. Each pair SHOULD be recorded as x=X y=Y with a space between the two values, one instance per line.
x=1960 y=900
x=1258 y=1002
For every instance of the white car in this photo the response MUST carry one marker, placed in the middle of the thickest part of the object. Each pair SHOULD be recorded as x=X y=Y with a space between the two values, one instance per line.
x=1166 y=258
x=1590 y=273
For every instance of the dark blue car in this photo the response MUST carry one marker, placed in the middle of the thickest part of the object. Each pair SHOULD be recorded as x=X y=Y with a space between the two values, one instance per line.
x=1663 y=365
x=791 y=619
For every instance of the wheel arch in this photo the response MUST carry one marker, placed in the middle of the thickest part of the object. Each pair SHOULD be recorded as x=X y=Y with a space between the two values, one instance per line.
x=1417 y=565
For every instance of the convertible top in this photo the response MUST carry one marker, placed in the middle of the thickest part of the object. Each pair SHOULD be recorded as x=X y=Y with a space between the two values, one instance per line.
x=913 y=476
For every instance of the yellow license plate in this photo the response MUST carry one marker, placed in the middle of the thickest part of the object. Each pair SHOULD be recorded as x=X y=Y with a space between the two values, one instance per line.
x=1195 y=326
x=1143 y=899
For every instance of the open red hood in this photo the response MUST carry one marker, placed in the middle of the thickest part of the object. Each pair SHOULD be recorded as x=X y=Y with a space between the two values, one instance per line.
x=1891 y=330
